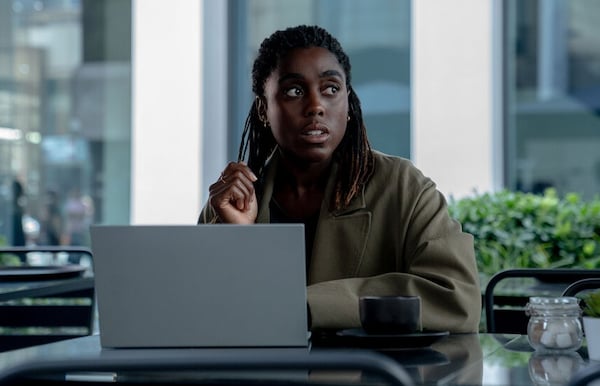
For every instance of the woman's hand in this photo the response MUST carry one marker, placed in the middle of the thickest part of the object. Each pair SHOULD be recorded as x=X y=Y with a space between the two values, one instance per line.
x=233 y=197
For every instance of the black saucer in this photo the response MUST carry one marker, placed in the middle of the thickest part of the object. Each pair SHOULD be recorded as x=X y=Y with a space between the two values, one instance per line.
x=423 y=338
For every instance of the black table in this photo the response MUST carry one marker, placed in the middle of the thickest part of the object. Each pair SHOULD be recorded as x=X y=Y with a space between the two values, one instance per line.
x=461 y=359
x=59 y=279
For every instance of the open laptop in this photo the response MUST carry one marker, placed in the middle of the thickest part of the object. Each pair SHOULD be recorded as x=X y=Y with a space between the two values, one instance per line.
x=200 y=285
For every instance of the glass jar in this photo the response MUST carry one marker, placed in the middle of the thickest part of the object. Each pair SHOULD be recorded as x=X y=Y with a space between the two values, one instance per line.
x=554 y=324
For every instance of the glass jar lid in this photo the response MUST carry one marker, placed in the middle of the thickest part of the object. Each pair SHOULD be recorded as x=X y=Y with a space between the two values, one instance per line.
x=541 y=305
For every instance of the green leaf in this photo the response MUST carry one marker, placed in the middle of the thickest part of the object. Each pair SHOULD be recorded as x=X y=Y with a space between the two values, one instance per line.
x=592 y=303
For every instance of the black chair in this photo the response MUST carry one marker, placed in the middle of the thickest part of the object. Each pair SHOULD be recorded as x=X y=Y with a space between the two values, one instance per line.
x=586 y=376
x=505 y=313
x=208 y=368
x=44 y=304
x=581 y=285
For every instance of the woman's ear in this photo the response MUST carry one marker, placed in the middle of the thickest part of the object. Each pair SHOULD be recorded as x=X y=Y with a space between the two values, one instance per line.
x=261 y=108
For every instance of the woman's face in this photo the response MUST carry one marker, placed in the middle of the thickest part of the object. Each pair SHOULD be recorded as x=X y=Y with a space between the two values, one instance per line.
x=307 y=104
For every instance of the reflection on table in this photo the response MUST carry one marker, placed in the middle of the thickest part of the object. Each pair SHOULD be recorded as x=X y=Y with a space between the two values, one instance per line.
x=516 y=363
x=458 y=359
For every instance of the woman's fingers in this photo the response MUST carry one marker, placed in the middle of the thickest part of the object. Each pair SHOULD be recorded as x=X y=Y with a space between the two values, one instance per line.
x=237 y=170
x=233 y=191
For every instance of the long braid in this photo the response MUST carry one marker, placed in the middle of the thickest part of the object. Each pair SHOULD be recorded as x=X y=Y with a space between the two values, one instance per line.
x=257 y=142
x=354 y=155
x=354 y=152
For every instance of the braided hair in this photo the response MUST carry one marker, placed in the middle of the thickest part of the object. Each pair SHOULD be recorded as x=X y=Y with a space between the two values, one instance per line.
x=354 y=152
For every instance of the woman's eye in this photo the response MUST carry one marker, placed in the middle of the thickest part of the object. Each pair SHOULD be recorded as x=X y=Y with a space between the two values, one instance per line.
x=293 y=92
x=331 y=90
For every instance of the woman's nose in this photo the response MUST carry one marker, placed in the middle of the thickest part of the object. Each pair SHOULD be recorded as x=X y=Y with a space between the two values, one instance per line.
x=314 y=105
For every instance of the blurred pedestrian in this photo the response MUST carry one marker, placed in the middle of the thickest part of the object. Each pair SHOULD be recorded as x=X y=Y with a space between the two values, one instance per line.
x=18 y=211
x=51 y=221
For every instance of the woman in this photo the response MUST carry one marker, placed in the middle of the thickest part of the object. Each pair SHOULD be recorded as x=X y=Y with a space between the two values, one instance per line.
x=374 y=224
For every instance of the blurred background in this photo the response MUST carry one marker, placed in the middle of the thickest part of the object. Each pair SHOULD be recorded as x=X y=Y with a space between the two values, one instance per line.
x=124 y=111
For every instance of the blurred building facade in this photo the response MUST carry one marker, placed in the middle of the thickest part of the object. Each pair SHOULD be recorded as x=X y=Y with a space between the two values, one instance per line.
x=77 y=103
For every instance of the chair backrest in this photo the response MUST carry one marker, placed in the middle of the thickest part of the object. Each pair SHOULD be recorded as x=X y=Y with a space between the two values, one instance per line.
x=41 y=308
x=505 y=313
x=581 y=285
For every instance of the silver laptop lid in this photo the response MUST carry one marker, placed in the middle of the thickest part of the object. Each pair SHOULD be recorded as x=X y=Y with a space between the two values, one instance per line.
x=201 y=285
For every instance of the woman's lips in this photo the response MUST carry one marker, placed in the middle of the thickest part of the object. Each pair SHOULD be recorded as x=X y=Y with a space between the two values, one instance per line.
x=315 y=133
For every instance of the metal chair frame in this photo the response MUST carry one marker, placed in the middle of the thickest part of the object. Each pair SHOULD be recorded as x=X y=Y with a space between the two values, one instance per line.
x=585 y=376
x=563 y=276
x=38 y=322
x=581 y=285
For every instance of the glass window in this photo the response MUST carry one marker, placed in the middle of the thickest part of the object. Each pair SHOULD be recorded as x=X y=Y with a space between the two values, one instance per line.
x=375 y=35
x=65 y=112
x=553 y=95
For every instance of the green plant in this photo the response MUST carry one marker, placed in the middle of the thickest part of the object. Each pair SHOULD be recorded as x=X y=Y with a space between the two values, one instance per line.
x=8 y=259
x=525 y=230
x=592 y=304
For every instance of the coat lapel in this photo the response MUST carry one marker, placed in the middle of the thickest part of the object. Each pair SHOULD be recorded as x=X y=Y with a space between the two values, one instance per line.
x=264 y=215
x=340 y=239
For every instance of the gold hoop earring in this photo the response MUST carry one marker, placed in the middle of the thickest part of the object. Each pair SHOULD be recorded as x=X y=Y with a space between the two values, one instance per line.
x=264 y=120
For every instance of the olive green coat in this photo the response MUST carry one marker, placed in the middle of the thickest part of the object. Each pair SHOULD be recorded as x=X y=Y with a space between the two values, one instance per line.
x=395 y=238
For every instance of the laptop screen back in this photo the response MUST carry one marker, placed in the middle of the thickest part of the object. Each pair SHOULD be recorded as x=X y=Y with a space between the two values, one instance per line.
x=201 y=285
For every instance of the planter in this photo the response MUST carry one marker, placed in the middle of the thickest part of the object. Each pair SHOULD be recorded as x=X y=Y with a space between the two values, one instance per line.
x=591 y=327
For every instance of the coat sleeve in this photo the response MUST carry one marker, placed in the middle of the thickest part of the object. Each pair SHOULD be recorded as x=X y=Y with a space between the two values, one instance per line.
x=433 y=259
